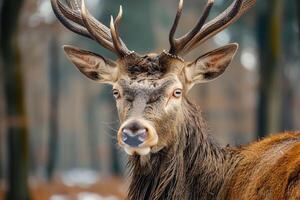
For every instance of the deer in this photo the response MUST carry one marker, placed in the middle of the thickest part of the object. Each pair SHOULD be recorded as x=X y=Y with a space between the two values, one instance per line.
x=171 y=153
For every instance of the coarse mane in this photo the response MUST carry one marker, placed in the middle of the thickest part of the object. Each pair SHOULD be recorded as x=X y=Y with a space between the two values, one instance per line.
x=185 y=169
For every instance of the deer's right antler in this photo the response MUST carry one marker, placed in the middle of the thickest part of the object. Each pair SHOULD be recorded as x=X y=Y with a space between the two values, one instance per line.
x=82 y=22
x=201 y=32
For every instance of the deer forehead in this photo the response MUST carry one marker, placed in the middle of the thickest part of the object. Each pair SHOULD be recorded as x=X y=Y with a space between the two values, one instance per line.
x=151 y=66
x=148 y=85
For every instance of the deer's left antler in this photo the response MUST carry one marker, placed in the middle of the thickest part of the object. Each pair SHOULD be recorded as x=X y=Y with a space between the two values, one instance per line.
x=201 y=32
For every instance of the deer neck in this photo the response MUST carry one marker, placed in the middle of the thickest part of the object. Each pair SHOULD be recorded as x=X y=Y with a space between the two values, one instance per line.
x=193 y=168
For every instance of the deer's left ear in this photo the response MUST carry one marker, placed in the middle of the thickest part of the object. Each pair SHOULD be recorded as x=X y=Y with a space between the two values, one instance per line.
x=93 y=66
x=210 y=65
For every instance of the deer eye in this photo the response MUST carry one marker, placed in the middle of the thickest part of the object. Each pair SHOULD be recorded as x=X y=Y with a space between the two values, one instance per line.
x=116 y=93
x=177 y=93
x=129 y=98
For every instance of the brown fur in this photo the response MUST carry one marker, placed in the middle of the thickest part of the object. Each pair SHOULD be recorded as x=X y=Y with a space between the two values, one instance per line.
x=269 y=169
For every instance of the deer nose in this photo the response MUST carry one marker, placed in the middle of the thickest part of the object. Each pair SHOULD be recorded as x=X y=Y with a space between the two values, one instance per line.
x=134 y=134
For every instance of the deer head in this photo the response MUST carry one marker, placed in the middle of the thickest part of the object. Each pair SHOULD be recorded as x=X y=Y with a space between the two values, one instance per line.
x=150 y=90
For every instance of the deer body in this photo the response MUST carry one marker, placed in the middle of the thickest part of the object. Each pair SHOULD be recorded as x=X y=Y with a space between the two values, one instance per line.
x=171 y=154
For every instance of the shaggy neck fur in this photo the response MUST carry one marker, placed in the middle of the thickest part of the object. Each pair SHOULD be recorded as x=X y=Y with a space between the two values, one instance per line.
x=193 y=168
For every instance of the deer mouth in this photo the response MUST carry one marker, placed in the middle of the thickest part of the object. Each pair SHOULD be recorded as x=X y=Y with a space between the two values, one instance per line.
x=137 y=151
x=137 y=136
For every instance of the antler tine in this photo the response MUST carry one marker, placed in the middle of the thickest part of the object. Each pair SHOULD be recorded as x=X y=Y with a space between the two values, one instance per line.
x=117 y=24
x=114 y=29
x=172 y=39
x=110 y=44
x=119 y=17
x=65 y=21
x=86 y=18
x=190 y=35
x=115 y=39
x=229 y=16
x=181 y=42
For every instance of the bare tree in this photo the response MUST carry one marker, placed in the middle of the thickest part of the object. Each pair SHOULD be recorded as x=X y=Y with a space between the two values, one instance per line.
x=54 y=77
x=269 y=43
x=17 y=134
x=290 y=55
x=298 y=12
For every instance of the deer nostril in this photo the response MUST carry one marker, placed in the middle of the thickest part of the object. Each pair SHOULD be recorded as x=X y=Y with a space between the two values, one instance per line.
x=142 y=134
x=127 y=132
x=141 y=131
x=124 y=137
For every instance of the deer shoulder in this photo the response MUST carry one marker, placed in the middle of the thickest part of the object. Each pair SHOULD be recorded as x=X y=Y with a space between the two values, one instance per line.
x=267 y=169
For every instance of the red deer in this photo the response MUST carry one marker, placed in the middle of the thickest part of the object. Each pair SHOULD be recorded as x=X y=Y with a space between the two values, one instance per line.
x=171 y=153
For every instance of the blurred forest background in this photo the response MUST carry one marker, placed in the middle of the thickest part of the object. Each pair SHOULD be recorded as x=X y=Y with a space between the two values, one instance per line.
x=57 y=129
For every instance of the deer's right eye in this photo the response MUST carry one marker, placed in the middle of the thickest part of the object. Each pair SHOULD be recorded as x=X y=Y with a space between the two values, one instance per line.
x=116 y=94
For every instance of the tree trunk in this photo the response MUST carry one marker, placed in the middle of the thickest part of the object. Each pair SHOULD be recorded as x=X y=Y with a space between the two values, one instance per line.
x=269 y=39
x=2 y=128
x=54 y=78
x=298 y=13
x=17 y=134
x=289 y=42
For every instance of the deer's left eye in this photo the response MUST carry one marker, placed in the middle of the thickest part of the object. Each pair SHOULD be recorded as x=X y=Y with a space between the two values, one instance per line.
x=116 y=93
x=177 y=93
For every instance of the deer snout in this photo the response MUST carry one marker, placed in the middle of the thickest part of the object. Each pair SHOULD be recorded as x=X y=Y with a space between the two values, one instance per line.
x=137 y=136
x=134 y=134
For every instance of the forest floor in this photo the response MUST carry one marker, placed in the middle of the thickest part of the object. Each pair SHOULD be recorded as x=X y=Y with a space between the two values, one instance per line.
x=106 y=189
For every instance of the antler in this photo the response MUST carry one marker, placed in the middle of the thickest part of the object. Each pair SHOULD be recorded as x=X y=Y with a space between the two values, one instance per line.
x=114 y=29
x=178 y=44
x=82 y=22
x=201 y=32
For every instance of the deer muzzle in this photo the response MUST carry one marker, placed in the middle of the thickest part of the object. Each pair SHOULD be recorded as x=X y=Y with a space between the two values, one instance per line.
x=137 y=136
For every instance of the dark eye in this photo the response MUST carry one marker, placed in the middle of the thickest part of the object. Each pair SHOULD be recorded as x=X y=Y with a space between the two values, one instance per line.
x=129 y=98
x=177 y=93
x=116 y=93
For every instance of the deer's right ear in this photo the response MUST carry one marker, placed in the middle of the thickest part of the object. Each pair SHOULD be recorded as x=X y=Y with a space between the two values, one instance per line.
x=92 y=65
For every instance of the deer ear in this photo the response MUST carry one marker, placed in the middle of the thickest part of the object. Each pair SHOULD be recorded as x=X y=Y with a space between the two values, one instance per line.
x=92 y=65
x=210 y=65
